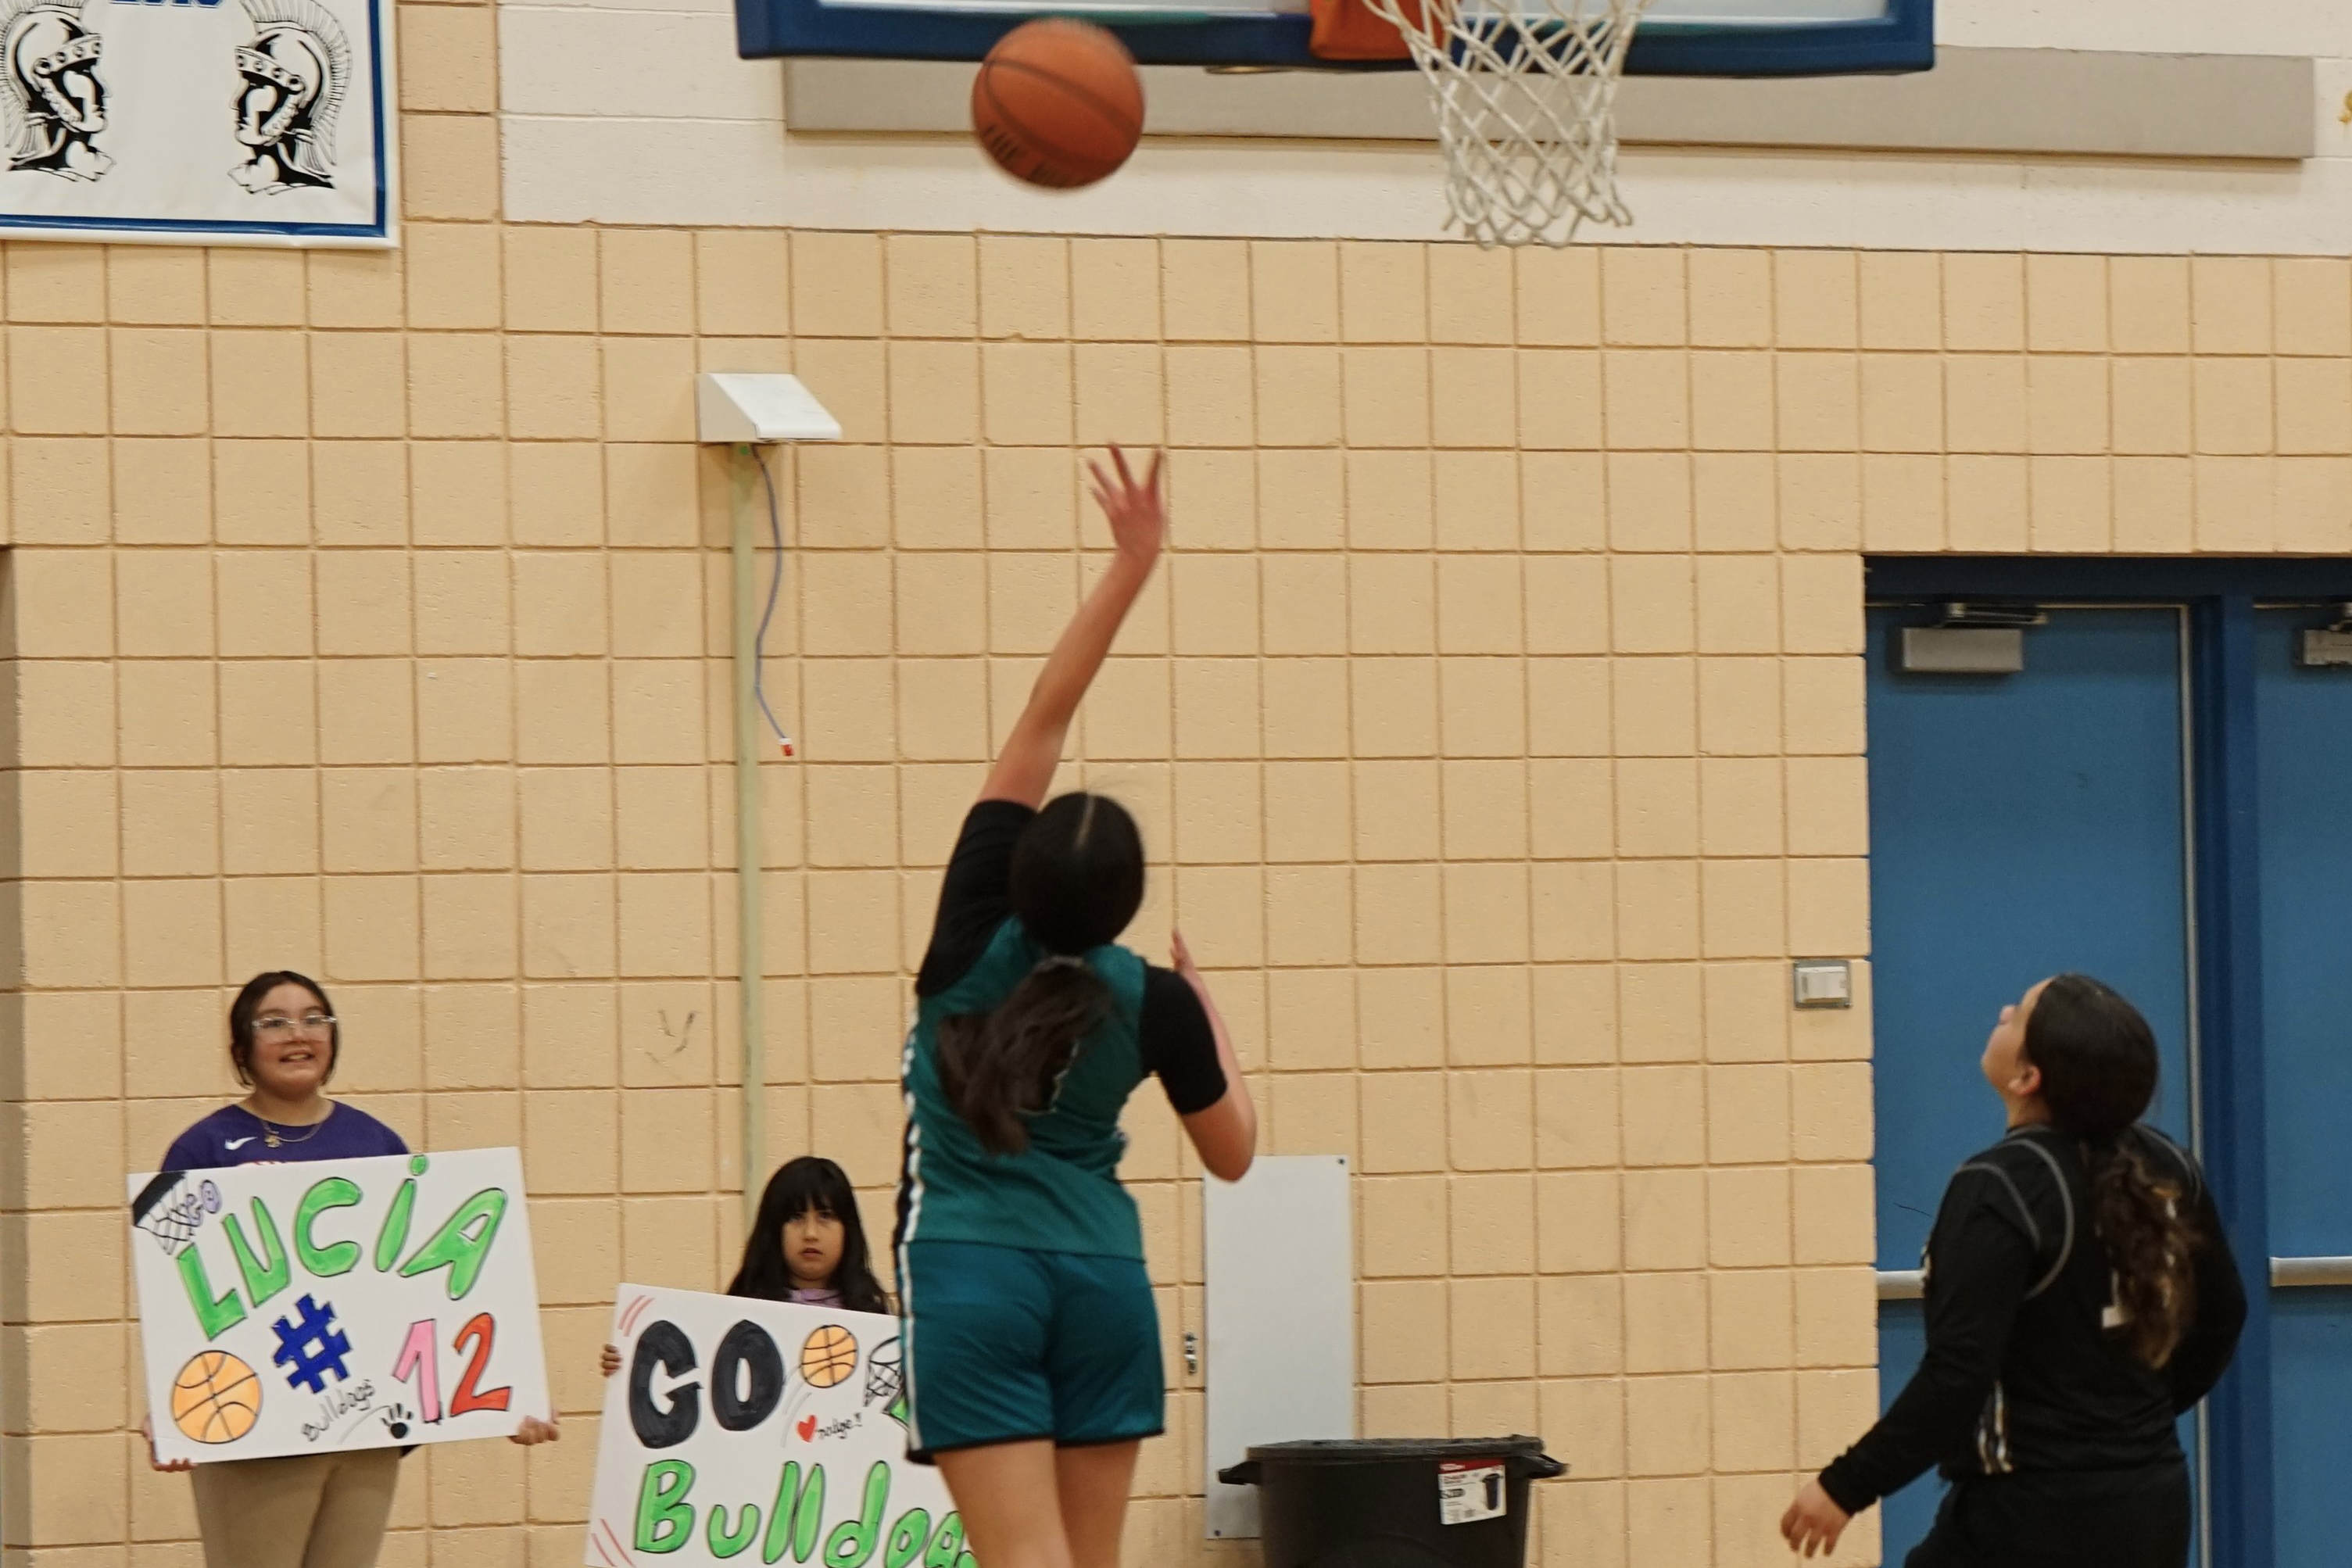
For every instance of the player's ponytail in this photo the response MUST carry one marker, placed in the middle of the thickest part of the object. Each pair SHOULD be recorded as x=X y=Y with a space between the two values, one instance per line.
x=2098 y=1063
x=1077 y=881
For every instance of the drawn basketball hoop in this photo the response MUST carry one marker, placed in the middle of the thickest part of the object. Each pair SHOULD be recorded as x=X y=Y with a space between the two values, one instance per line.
x=885 y=1379
x=172 y=1216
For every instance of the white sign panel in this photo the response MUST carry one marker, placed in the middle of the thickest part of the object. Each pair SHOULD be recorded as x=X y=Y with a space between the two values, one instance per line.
x=207 y=122
x=298 y=1309
x=1281 y=1258
x=735 y=1424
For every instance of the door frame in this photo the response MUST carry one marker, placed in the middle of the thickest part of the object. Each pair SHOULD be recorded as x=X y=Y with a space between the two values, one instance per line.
x=2222 y=595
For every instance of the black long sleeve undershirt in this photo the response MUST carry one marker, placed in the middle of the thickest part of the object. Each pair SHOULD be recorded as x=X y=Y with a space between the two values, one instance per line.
x=2023 y=1369
x=1983 y=1265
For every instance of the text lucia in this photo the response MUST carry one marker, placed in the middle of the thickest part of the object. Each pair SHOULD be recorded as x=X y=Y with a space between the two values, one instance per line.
x=460 y=1243
x=666 y=1522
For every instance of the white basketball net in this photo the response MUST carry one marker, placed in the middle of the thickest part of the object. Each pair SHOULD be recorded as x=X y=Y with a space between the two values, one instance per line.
x=1525 y=93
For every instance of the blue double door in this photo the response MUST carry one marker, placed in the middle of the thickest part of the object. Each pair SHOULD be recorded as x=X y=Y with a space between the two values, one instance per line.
x=2162 y=797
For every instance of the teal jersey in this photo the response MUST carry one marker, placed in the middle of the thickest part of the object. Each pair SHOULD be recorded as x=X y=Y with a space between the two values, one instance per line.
x=1062 y=1193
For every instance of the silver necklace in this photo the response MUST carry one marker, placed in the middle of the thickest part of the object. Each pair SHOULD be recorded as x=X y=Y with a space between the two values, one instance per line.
x=269 y=1131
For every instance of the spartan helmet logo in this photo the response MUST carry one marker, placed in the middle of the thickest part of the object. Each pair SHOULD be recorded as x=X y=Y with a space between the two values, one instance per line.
x=52 y=101
x=291 y=81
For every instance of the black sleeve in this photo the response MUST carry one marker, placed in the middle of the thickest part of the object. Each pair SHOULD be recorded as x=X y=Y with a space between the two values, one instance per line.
x=2204 y=1351
x=1178 y=1042
x=1981 y=1261
x=975 y=896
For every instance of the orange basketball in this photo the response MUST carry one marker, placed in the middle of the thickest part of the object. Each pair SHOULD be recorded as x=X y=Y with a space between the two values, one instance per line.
x=828 y=1356
x=216 y=1398
x=1057 y=103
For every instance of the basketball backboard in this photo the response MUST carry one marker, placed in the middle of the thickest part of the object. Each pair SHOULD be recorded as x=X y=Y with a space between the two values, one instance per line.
x=1677 y=37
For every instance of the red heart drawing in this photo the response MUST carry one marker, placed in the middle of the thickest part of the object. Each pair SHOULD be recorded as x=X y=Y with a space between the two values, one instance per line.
x=807 y=1427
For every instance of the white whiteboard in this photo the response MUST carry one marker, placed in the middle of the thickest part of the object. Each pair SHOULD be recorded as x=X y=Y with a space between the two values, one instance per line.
x=1280 y=1256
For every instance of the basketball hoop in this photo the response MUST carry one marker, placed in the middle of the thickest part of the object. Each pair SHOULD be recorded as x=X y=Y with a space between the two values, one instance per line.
x=1525 y=93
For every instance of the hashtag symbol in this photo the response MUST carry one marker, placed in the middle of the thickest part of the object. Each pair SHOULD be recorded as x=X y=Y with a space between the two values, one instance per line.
x=307 y=1367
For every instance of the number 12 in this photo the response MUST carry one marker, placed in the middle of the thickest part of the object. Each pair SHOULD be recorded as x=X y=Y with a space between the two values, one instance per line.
x=417 y=1356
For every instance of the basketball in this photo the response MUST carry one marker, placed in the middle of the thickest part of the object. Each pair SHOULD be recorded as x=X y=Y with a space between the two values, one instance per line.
x=216 y=1398
x=828 y=1356
x=1057 y=103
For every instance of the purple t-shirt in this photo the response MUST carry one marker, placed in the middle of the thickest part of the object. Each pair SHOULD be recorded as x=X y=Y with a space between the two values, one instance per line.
x=235 y=1136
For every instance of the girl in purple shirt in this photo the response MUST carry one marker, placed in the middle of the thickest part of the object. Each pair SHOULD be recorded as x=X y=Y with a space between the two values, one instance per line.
x=283 y=1039
x=307 y=1511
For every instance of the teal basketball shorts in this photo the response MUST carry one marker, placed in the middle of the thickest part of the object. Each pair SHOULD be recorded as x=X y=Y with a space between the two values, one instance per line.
x=1008 y=1345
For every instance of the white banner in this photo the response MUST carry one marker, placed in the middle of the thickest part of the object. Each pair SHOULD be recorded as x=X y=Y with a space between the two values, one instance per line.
x=292 y=1309
x=211 y=122
x=735 y=1424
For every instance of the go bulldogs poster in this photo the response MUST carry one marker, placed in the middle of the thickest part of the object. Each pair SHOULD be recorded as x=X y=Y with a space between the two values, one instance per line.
x=735 y=1424
x=253 y=121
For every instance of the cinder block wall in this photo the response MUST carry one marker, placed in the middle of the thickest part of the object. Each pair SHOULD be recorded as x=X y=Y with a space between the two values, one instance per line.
x=1497 y=724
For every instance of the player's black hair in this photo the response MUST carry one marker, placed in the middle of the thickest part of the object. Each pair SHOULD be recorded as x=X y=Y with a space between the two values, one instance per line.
x=2098 y=1062
x=798 y=1186
x=1077 y=881
x=247 y=1006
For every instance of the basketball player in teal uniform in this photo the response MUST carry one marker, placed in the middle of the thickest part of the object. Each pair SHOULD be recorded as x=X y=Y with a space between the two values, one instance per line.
x=1032 y=1342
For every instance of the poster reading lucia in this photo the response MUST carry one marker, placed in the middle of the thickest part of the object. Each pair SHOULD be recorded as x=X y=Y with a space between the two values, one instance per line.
x=296 y=1308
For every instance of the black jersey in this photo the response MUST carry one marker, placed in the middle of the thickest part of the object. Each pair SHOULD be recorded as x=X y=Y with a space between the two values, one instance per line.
x=2027 y=1368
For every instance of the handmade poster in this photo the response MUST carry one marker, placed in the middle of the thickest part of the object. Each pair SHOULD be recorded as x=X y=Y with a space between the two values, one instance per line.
x=256 y=121
x=759 y=1431
x=299 y=1308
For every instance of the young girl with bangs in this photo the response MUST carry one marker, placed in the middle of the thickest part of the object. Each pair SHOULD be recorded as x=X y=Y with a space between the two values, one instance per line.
x=807 y=1245
x=2081 y=1297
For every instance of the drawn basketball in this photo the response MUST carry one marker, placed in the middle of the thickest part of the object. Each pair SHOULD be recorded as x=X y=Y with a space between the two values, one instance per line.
x=828 y=1356
x=1057 y=103
x=216 y=1398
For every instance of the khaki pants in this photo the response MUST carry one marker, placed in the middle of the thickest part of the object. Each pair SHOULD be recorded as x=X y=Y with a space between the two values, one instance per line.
x=305 y=1510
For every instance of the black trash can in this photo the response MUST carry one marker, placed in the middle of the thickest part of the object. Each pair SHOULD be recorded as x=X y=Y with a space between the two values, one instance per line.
x=1447 y=1503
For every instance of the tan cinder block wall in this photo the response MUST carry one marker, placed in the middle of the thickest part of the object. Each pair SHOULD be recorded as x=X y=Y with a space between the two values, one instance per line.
x=1497 y=724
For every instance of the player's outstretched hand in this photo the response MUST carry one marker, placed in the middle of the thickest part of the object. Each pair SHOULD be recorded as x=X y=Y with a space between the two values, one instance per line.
x=610 y=1361
x=1813 y=1521
x=1180 y=956
x=147 y=1430
x=1137 y=511
x=534 y=1430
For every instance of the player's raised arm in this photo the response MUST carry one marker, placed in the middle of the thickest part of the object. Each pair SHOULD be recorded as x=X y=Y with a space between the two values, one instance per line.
x=1138 y=514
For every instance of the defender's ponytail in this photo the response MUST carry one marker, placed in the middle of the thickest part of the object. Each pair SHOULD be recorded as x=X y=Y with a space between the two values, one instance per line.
x=2144 y=1221
x=2098 y=1062
x=1076 y=879
x=999 y=1069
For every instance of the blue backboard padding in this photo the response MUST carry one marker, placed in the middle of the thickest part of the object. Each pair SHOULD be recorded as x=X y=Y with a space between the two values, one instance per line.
x=1902 y=40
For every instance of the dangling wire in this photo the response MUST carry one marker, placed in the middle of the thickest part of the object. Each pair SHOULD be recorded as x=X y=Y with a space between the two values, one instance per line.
x=776 y=584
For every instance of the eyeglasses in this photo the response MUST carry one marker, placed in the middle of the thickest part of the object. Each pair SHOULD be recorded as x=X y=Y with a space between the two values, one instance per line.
x=277 y=1026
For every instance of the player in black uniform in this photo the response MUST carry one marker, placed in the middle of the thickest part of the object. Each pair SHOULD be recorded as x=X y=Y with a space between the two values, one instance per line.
x=2080 y=1297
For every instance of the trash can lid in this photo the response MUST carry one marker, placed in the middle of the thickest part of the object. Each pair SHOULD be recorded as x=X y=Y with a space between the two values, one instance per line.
x=1379 y=1450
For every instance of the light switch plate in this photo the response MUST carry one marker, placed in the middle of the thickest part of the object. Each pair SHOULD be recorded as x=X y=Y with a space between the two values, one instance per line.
x=1824 y=983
